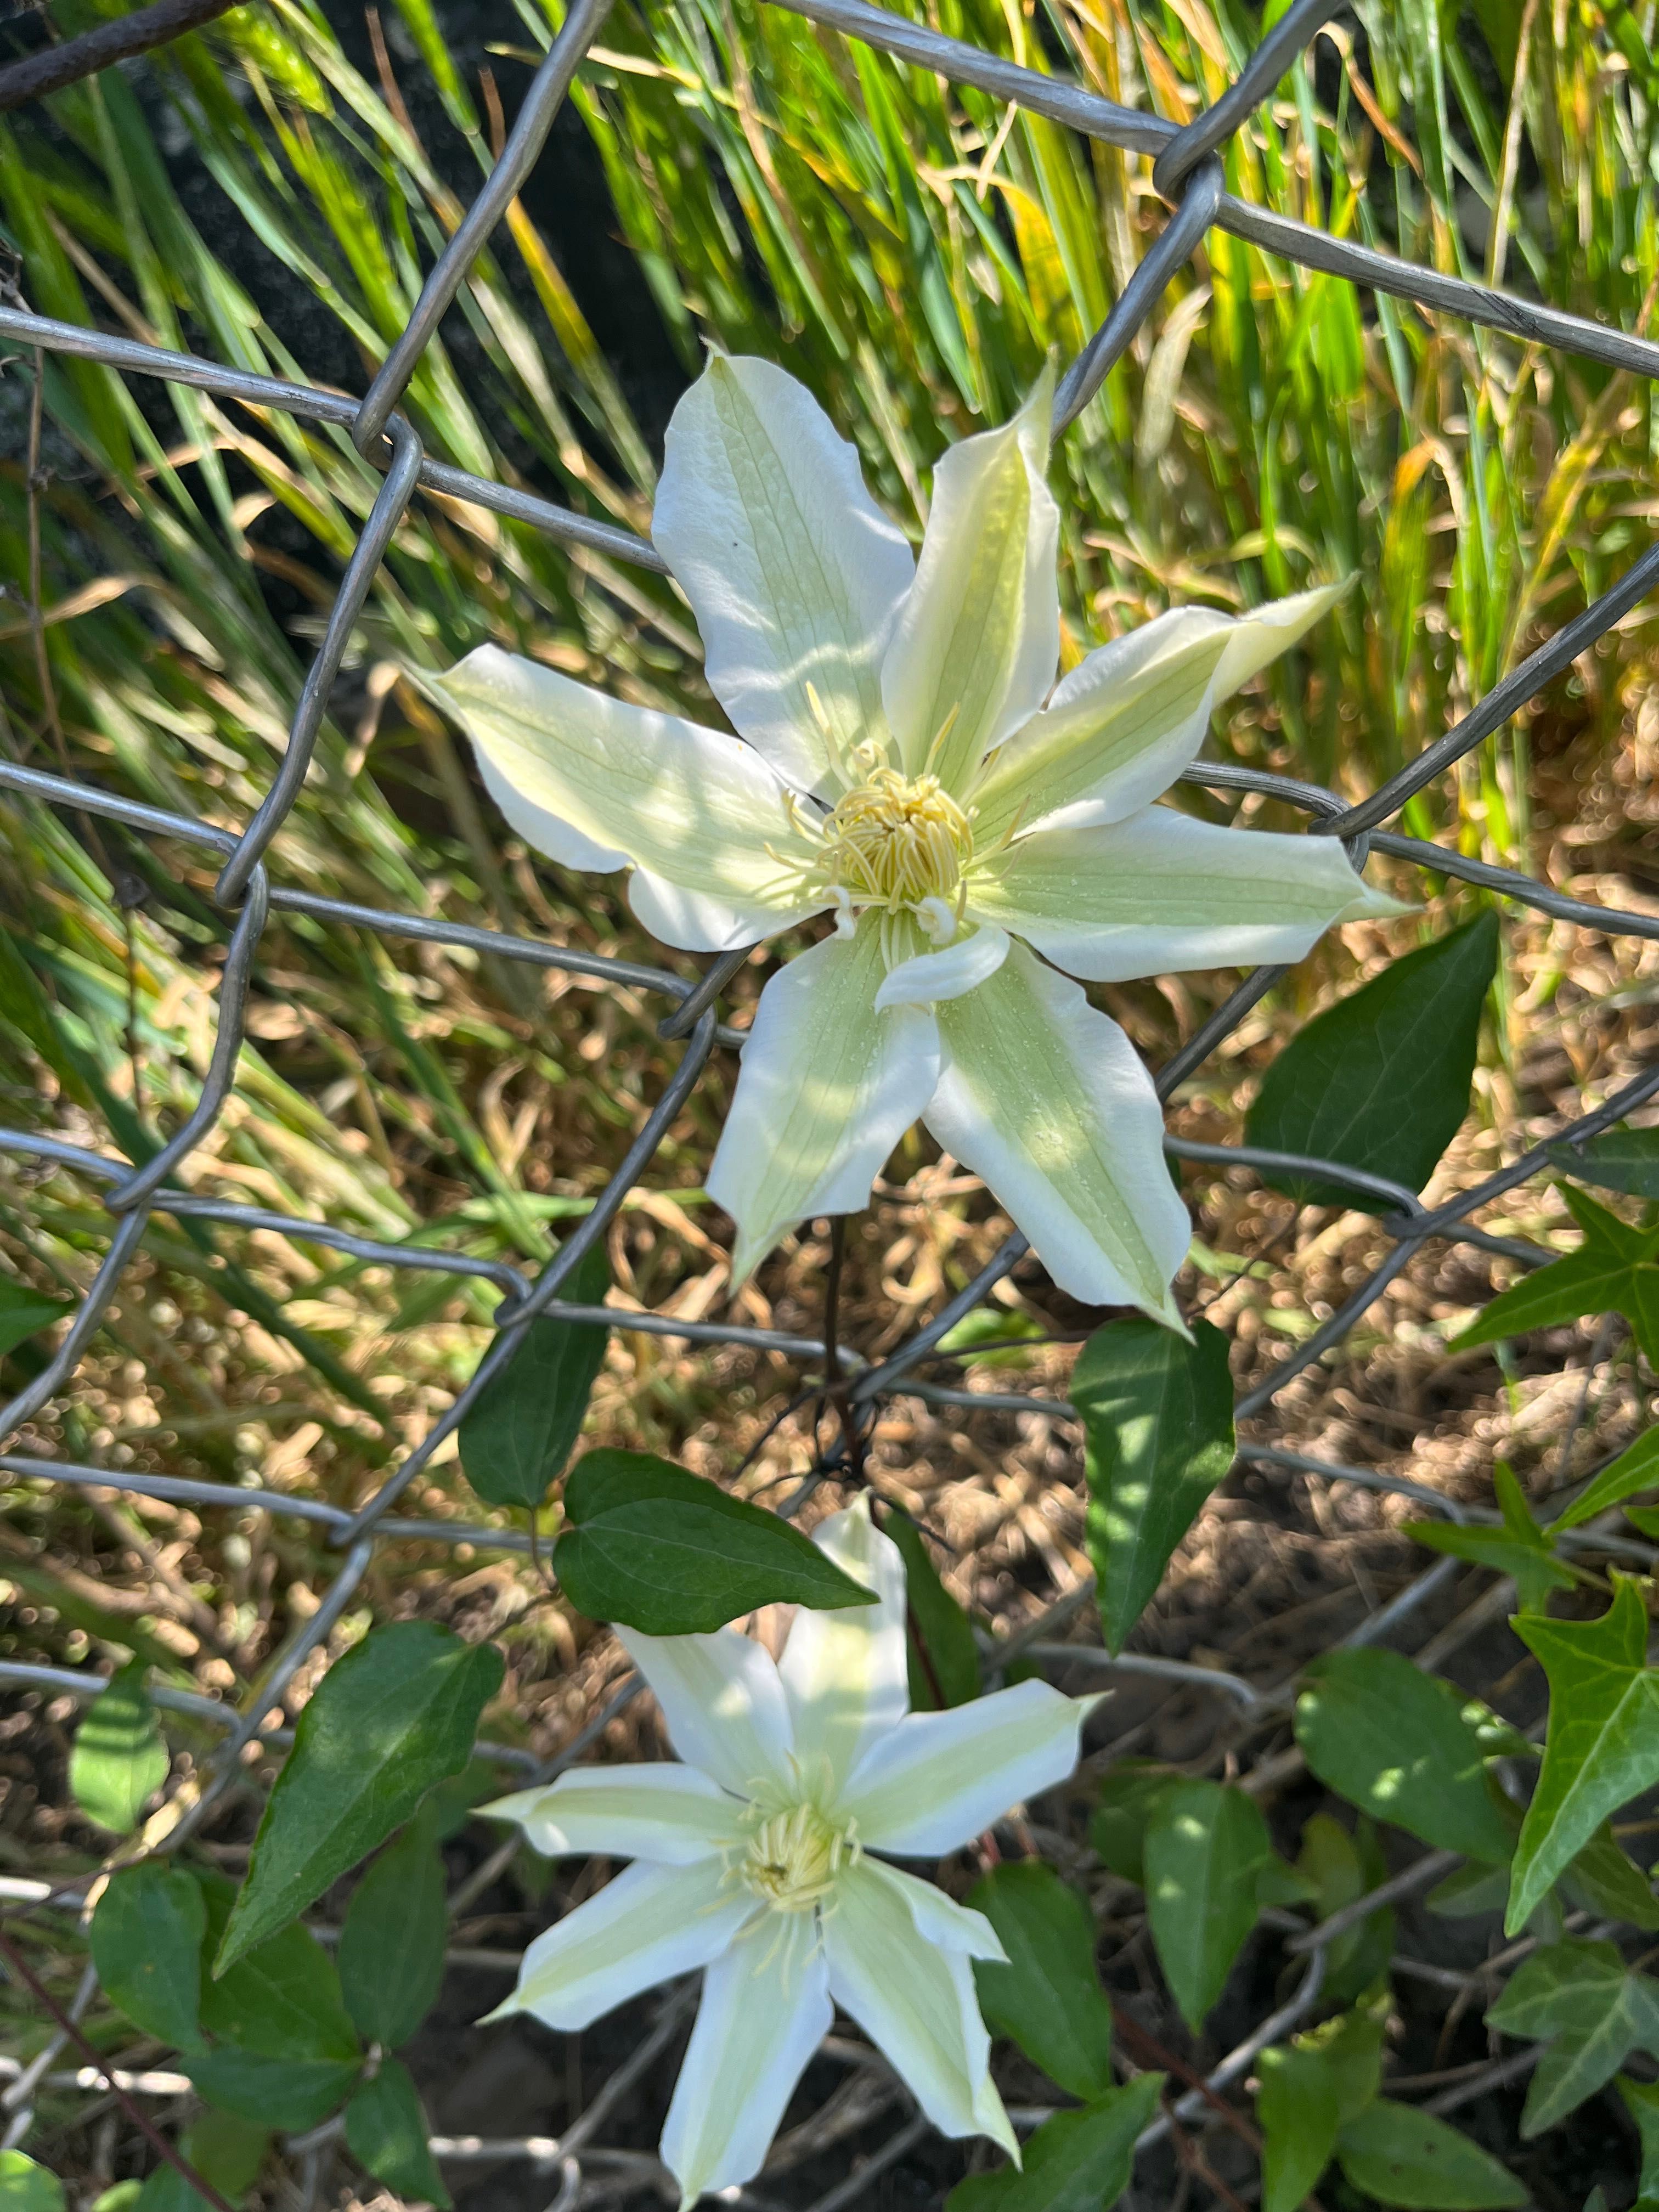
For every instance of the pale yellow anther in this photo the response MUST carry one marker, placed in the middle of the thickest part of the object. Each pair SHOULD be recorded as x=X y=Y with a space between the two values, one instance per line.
x=895 y=842
x=791 y=1858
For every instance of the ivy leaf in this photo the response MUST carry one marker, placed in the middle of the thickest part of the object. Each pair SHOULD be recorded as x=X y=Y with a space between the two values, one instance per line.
x=22 y=1313
x=671 y=1554
x=385 y=2131
x=1205 y=1846
x=1047 y=1997
x=1521 y=1548
x=1380 y=1080
x=146 y=1945
x=1604 y=1880
x=1642 y=2103
x=951 y=1656
x=516 y=1440
x=1594 y=2010
x=1615 y=1270
x=1620 y=1159
x=1075 y=2162
x=398 y=1713
x=392 y=1943
x=119 y=1759
x=1603 y=1746
x=1405 y=1747
x=1411 y=2159
x=1157 y=1427
x=27 y=2187
x=1635 y=1470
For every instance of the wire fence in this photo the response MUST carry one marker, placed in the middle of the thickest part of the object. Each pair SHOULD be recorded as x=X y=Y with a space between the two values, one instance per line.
x=1187 y=175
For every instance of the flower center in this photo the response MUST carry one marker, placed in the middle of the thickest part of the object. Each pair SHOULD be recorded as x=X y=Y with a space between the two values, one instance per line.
x=791 y=1858
x=897 y=841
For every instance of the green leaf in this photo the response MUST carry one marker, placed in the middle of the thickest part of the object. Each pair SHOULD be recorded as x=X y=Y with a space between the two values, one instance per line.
x=1636 y=1469
x=1075 y=2162
x=1342 y=1869
x=1604 y=1880
x=1564 y=1989
x=1157 y=1427
x=1130 y=1792
x=1603 y=1746
x=1405 y=1747
x=1204 y=1847
x=1380 y=1080
x=119 y=1759
x=1002 y=1333
x=283 y=2000
x=292 y=2093
x=1620 y=1159
x=1520 y=1548
x=516 y=1439
x=23 y=1312
x=225 y=2149
x=1296 y=2109
x=1411 y=2159
x=27 y=2187
x=1642 y=2103
x=1615 y=1270
x=398 y=1713
x=385 y=2130
x=391 y=1944
x=1584 y=1995
x=146 y=1945
x=952 y=1659
x=1469 y=1891
x=671 y=1554
x=1047 y=1997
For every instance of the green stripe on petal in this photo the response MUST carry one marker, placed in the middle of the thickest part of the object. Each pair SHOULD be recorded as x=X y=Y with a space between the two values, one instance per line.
x=828 y=1087
x=978 y=638
x=692 y=807
x=1046 y=1099
x=1162 y=893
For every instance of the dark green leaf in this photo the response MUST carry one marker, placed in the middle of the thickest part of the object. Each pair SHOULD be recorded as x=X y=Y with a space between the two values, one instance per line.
x=1598 y=2011
x=1130 y=1792
x=1604 y=1880
x=1048 y=1996
x=292 y=2093
x=1615 y=1270
x=386 y=2129
x=225 y=2149
x=1603 y=1747
x=282 y=2000
x=398 y=1713
x=1342 y=1869
x=119 y=1759
x=1157 y=1427
x=1411 y=2159
x=1296 y=2109
x=671 y=1554
x=951 y=1656
x=1471 y=1891
x=1642 y=2103
x=516 y=1439
x=22 y=1312
x=1075 y=2162
x=392 y=1946
x=452 y=1801
x=1564 y=1989
x=1405 y=1747
x=27 y=2187
x=1635 y=1470
x=1204 y=1847
x=147 y=1945
x=1620 y=1159
x=1380 y=1080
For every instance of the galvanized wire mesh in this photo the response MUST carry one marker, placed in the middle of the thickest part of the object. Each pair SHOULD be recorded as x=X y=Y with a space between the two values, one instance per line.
x=249 y=890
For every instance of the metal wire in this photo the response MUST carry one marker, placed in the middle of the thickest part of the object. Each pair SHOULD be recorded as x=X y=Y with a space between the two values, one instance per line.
x=1189 y=174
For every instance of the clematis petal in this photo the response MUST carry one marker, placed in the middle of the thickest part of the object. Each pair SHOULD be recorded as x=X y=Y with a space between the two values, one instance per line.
x=929 y=977
x=1161 y=893
x=648 y=1925
x=765 y=2009
x=939 y=1779
x=828 y=1087
x=940 y=1919
x=916 y=2001
x=1047 y=1099
x=692 y=809
x=978 y=637
x=1130 y=717
x=845 y=1674
x=722 y=1702
x=671 y=1815
x=793 y=573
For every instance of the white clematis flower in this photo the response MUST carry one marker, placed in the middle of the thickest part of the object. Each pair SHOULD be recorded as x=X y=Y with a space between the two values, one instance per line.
x=752 y=1861
x=911 y=768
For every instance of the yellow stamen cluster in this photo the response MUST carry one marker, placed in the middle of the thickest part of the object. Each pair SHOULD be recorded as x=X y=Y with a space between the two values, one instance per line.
x=793 y=1857
x=896 y=841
